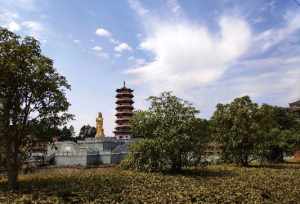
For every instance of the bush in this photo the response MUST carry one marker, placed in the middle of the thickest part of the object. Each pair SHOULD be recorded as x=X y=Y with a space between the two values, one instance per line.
x=145 y=155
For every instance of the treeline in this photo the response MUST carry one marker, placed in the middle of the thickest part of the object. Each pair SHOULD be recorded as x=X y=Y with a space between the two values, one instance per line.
x=68 y=133
x=172 y=136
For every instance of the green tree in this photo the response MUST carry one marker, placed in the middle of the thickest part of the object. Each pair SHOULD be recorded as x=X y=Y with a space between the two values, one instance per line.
x=236 y=128
x=87 y=131
x=66 y=133
x=247 y=131
x=280 y=132
x=34 y=98
x=146 y=155
x=172 y=123
x=143 y=124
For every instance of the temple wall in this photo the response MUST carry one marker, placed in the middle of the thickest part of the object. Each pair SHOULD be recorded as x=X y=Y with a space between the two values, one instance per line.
x=105 y=158
x=88 y=152
x=117 y=157
x=70 y=159
x=93 y=159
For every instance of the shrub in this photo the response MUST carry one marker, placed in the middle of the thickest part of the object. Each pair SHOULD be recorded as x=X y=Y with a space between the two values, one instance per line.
x=145 y=155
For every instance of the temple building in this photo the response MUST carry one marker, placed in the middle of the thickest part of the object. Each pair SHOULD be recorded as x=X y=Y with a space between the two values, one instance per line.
x=101 y=149
x=124 y=112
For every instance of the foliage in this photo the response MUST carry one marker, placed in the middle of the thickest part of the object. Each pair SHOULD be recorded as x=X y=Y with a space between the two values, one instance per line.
x=87 y=131
x=171 y=123
x=278 y=127
x=66 y=133
x=145 y=155
x=214 y=184
x=236 y=128
x=143 y=124
x=34 y=98
x=248 y=131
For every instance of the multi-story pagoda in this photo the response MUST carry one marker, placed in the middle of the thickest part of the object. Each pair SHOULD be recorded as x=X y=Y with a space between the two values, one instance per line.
x=124 y=112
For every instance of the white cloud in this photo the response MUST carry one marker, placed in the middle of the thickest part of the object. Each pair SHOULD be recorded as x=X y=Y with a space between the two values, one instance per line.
x=140 y=61
x=137 y=7
x=76 y=41
x=188 y=55
x=97 y=48
x=207 y=68
x=28 y=5
x=174 y=6
x=131 y=58
x=33 y=25
x=13 y=26
x=33 y=28
x=118 y=55
x=11 y=18
x=122 y=47
x=114 y=41
x=103 y=55
x=103 y=32
x=6 y=15
x=98 y=51
x=274 y=36
x=275 y=78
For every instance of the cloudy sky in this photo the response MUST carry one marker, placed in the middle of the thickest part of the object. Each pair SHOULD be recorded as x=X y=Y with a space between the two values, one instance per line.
x=204 y=51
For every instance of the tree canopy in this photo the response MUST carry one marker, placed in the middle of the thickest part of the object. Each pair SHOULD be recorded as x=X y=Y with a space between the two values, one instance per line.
x=33 y=94
x=87 y=131
x=171 y=131
x=247 y=131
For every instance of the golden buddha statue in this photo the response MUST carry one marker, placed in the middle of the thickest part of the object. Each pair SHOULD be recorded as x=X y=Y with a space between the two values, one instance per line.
x=99 y=126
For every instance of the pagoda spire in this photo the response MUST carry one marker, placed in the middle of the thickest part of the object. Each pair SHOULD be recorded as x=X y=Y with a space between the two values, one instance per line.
x=124 y=111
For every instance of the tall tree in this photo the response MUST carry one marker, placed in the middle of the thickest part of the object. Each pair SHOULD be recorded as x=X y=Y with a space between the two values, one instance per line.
x=236 y=128
x=34 y=98
x=172 y=123
x=280 y=132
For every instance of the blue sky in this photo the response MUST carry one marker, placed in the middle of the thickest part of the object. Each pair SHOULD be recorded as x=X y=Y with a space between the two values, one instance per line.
x=204 y=51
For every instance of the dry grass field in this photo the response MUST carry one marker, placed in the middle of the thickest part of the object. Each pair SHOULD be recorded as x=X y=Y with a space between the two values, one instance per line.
x=214 y=184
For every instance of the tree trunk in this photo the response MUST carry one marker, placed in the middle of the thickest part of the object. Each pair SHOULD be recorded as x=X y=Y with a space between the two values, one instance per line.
x=12 y=175
x=276 y=155
x=12 y=165
x=176 y=167
x=244 y=160
x=176 y=164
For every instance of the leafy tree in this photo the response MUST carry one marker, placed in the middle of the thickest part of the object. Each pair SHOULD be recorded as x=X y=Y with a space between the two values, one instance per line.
x=247 y=131
x=87 y=131
x=34 y=98
x=66 y=133
x=281 y=135
x=143 y=124
x=171 y=123
x=236 y=128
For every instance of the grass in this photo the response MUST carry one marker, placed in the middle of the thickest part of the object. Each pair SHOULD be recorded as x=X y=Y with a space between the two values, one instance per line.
x=214 y=184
